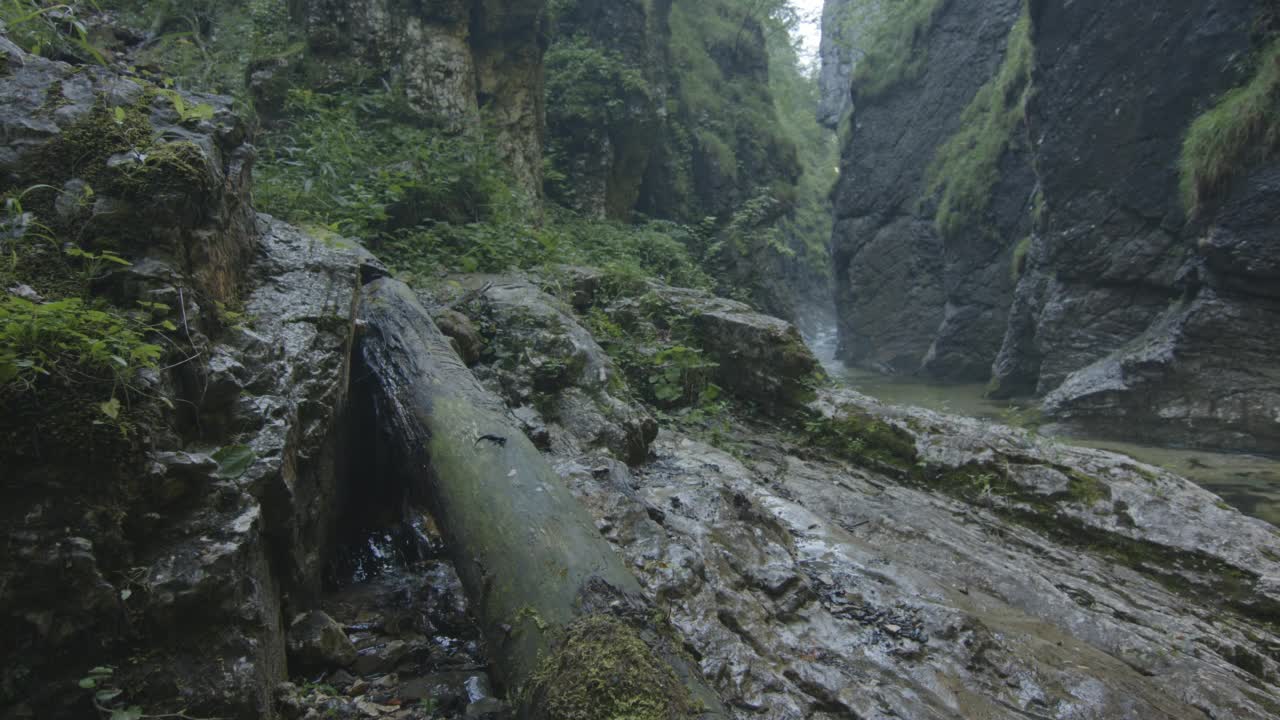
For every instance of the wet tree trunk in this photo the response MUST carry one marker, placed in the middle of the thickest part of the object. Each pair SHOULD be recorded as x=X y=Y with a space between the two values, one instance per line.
x=565 y=621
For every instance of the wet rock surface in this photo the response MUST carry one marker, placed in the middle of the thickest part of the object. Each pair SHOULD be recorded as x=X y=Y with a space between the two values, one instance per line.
x=415 y=651
x=214 y=498
x=759 y=358
x=990 y=573
x=814 y=589
x=560 y=384
x=235 y=509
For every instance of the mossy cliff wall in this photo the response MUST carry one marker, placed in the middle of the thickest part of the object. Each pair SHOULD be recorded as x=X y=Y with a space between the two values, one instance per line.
x=664 y=108
x=452 y=59
x=1029 y=223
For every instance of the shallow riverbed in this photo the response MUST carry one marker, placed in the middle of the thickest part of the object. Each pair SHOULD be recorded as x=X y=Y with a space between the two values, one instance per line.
x=1248 y=482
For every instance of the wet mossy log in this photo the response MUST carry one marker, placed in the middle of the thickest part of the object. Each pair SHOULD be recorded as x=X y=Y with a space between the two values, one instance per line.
x=564 y=619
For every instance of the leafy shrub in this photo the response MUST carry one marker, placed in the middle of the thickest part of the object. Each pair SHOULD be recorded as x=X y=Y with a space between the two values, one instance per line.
x=359 y=165
x=590 y=85
x=53 y=29
x=653 y=249
x=680 y=375
x=72 y=340
x=207 y=45
x=856 y=436
x=1241 y=129
x=69 y=340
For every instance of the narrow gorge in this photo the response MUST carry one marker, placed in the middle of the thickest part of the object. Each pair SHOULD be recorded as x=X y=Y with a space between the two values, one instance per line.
x=538 y=359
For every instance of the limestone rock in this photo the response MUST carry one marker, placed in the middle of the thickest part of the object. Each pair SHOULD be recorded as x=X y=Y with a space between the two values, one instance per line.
x=549 y=367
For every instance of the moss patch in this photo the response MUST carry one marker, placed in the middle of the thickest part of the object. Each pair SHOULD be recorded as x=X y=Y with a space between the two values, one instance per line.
x=967 y=167
x=1018 y=261
x=169 y=166
x=1241 y=129
x=1086 y=490
x=860 y=437
x=603 y=670
x=82 y=151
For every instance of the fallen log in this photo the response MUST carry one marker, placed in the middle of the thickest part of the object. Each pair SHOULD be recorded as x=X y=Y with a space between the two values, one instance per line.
x=567 y=627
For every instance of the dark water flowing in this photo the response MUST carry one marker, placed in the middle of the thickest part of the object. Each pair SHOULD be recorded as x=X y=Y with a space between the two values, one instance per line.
x=1248 y=482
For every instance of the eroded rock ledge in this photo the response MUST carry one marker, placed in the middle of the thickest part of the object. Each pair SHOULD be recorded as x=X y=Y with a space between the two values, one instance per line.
x=869 y=560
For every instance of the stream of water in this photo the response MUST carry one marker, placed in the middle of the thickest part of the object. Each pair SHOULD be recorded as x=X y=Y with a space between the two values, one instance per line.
x=1248 y=482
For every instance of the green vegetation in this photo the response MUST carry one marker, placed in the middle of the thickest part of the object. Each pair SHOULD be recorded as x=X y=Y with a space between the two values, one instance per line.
x=70 y=340
x=967 y=167
x=890 y=52
x=590 y=85
x=806 y=230
x=722 y=109
x=363 y=165
x=604 y=669
x=51 y=29
x=1240 y=130
x=207 y=45
x=55 y=334
x=682 y=375
x=859 y=437
x=1018 y=261
x=428 y=200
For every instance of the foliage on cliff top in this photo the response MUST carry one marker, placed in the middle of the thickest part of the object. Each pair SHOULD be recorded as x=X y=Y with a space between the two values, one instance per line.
x=1241 y=129
x=722 y=92
x=591 y=85
x=57 y=334
x=967 y=167
x=796 y=96
x=890 y=51
x=429 y=201
x=51 y=29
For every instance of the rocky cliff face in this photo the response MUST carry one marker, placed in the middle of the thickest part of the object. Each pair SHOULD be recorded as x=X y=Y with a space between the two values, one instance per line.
x=608 y=77
x=621 y=123
x=908 y=295
x=1077 y=276
x=836 y=56
x=210 y=494
x=452 y=60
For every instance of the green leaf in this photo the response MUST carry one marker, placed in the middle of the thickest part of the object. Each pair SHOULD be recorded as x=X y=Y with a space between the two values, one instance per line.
x=119 y=115
x=106 y=696
x=88 y=683
x=133 y=713
x=234 y=460
x=111 y=408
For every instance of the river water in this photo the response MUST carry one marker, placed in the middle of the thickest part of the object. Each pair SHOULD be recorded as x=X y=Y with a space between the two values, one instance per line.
x=1248 y=482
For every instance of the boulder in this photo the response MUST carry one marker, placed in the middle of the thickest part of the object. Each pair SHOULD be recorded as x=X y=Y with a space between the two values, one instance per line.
x=548 y=367
x=761 y=359
x=318 y=642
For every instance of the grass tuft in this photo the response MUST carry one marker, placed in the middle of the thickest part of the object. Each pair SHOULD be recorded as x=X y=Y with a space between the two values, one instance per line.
x=1243 y=128
x=967 y=167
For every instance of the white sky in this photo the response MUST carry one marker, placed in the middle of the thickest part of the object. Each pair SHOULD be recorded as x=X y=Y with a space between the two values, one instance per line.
x=810 y=30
